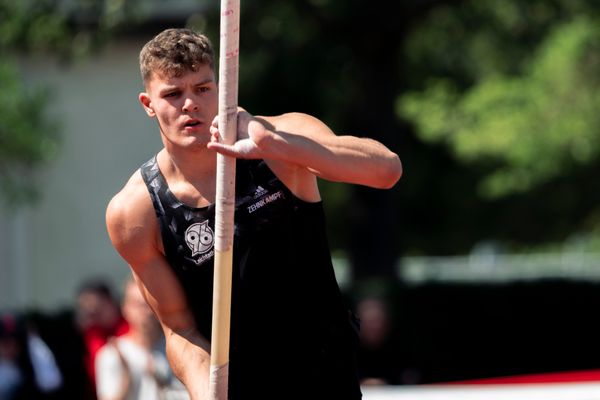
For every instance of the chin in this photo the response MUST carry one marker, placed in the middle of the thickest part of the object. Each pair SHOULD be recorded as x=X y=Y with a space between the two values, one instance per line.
x=194 y=139
x=197 y=145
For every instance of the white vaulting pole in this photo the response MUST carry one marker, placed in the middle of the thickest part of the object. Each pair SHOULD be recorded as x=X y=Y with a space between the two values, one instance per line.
x=225 y=199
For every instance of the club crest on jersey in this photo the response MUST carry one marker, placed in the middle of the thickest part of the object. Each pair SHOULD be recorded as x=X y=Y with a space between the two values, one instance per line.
x=199 y=238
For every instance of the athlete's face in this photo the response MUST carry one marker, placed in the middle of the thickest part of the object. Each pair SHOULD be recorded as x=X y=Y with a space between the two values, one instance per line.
x=183 y=106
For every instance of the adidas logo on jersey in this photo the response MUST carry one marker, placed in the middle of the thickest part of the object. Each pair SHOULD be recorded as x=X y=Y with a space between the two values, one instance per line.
x=260 y=191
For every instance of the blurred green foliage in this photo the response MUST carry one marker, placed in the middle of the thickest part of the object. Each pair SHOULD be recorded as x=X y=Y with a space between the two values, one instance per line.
x=490 y=104
x=512 y=90
x=531 y=121
x=67 y=31
x=28 y=139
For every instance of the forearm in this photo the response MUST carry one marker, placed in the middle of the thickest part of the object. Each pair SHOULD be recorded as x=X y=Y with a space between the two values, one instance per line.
x=306 y=141
x=188 y=355
x=339 y=158
x=300 y=140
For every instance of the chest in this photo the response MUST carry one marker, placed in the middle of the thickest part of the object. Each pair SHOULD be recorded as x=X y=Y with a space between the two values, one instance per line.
x=188 y=234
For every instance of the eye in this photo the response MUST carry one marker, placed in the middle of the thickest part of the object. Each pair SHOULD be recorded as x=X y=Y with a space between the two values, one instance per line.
x=171 y=94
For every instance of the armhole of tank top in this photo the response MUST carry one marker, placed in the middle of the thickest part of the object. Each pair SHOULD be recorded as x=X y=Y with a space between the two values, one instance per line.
x=148 y=176
x=270 y=177
x=295 y=199
x=157 y=202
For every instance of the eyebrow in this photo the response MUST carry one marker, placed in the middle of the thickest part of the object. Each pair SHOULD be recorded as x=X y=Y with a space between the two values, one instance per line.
x=169 y=88
x=205 y=81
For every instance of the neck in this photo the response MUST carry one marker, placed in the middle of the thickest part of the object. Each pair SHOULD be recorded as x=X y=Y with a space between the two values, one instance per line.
x=190 y=164
x=191 y=176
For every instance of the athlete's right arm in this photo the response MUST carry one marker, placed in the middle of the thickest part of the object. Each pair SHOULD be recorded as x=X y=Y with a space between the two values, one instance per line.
x=133 y=229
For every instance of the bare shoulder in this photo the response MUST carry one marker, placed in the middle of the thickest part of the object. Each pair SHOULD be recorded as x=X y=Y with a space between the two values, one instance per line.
x=131 y=220
x=131 y=201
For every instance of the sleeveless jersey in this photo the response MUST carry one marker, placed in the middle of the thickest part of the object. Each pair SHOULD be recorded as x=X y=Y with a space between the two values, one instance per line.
x=291 y=335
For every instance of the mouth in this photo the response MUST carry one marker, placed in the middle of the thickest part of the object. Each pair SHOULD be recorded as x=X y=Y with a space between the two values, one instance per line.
x=192 y=123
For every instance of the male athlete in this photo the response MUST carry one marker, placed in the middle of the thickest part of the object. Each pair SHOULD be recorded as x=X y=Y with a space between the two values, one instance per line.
x=291 y=335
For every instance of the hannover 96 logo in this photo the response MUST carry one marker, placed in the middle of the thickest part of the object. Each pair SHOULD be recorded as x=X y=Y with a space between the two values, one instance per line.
x=199 y=237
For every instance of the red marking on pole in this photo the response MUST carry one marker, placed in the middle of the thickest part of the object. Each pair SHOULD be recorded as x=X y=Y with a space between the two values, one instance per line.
x=232 y=53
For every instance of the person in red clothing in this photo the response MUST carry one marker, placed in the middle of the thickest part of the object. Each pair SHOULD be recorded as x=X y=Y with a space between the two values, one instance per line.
x=99 y=318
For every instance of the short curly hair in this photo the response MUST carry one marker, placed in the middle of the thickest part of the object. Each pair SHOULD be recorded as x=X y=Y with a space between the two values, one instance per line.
x=175 y=51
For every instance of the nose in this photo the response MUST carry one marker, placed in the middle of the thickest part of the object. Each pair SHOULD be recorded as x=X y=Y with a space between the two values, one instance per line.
x=189 y=105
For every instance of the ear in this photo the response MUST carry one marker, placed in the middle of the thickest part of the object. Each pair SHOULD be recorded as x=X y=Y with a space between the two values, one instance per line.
x=144 y=99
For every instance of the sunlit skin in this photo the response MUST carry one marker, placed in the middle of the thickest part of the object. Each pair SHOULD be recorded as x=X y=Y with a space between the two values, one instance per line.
x=297 y=147
x=184 y=107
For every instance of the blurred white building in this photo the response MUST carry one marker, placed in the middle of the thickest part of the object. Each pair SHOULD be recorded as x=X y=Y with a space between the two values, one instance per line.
x=47 y=250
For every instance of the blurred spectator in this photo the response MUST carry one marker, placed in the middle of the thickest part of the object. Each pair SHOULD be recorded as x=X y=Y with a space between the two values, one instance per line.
x=99 y=318
x=12 y=376
x=28 y=369
x=60 y=332
x=378 y=355
x=134 y=366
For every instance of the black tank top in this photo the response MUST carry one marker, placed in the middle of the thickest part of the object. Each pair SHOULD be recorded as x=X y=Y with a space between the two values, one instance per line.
x=288 y=319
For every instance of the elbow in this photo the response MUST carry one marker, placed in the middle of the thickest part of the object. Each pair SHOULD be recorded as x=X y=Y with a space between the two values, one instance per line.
x=391 y=174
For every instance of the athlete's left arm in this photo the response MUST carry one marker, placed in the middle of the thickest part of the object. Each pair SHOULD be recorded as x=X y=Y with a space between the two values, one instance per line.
x=305 y=141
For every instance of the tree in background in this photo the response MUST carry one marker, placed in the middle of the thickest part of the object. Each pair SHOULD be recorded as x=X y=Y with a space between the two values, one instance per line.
x=489 y=103
x=510 y=90
x=29 y=136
